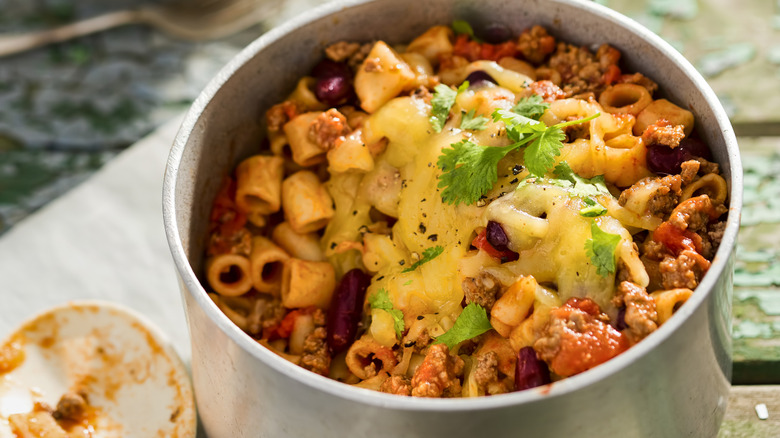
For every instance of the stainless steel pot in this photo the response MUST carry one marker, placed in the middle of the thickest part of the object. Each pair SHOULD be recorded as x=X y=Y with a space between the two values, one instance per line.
x=674 y=383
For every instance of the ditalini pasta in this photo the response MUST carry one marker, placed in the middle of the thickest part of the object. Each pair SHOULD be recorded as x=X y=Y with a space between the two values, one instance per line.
x=458 y=218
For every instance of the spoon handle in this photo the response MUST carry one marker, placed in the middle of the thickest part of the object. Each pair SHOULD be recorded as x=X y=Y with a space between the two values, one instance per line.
x=12 y=44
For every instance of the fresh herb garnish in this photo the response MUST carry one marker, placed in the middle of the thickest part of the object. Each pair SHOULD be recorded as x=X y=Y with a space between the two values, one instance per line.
x=469 y=121
x=470 y=170
x=427 y=255
x=593 y=209
x=462 y=27
x=381 y=300
x=472 y=322
x=601 y=250
x=582 y=187
x=442 y=101
x=532 y=107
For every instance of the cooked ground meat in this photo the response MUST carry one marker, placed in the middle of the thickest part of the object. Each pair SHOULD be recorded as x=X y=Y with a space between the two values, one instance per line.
x=581 y=71
x=662 y=201
x=639 y=79
x=280 y=114
x=707 y=166
x=689 y=170
x=356 y=59
x=487 y=376
x=684 y=270
x=328 y=128
x=230 y=241
x=578 y=337
x=71 y=406
x=267 y=312
x=535 y=44
x=546 y=89
x=439 y=374
x=398 y=385
x=315 y=355
x=715 y=234
x=664 y=133
x=694 y=214
x=641 y=316
x=573 y=132
x=481 y=289
x=341 y=51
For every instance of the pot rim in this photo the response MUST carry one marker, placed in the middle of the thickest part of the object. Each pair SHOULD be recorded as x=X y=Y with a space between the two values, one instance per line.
x=378 y=399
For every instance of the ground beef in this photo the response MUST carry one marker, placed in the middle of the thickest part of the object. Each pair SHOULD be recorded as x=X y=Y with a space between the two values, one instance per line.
x=328 y=128
x=664 y=133
x=580 y=70
x=684 y=270
x=315 y=355
x=398 y=385
x=694 y=214
x=707 y=166
x=280 y=114
x=439 y=374
x=230 y=241
x=689 y=170
x=486 y=374
x=341 y=51
x=547 y=90
x=267 y=312
x=71 y=406
x=356 y=59
x=663 y=200
x=535 y=44
x=715 y=234
x=641 y=316
x=481 y=289
x=639 y=79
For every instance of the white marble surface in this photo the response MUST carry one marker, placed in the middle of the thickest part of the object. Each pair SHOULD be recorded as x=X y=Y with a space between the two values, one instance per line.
x=102 y=240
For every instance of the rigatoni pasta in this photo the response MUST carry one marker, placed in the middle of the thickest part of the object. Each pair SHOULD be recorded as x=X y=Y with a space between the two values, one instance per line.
x=429 y=219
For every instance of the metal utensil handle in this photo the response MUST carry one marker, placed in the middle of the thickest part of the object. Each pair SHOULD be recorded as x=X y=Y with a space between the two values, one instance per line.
x=11 y=44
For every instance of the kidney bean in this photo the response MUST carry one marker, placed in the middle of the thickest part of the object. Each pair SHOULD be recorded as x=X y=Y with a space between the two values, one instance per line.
x=328 y=68
x=333 y=90
x=496 y=236
x=479 y=77
x=496 y=33
x=664 y=160
x=346 y=309
x=530 y=372
x=620 y=324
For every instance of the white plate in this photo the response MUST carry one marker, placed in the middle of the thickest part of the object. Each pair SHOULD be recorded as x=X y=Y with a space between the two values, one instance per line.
x=136 y=385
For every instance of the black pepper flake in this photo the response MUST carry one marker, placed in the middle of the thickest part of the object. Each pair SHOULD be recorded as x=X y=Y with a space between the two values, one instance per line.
x=354 y=213
x=380 y=278
x=433 y=237
x=424 y=215
x=423 y=200
x=422 y=228
x=517 y=169
x=419 y=317
x=402 y=262
x=409 y=344
x=333 y=245
x=578 y=274
x=513 y=181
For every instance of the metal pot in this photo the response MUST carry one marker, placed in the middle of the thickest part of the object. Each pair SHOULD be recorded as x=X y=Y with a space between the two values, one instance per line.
x=673 y=383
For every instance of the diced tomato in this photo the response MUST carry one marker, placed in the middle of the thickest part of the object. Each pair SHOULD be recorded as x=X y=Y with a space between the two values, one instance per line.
x=473 y=51
x=285 y=327
x=586 y=343
x=611 y=75
x=480 y=242
x=677 y=240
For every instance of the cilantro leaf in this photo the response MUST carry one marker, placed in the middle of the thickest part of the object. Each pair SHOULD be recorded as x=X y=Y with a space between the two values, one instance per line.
x=601 y=250
x=540 y=155
x=470 y=122
x=381 y=300
x=427 y=255
x=472 y=322
x=468 y=171
x=593 y=209
x=583 y=187
x=518 y=126
x=462 y=27
x=532 y=107
x=442 y=101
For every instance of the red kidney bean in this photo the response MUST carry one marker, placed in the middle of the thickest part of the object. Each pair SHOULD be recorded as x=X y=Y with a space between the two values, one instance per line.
x=333 y=90
x=328 y=68
x=478 y=78
x=664 y=160
x=496 y=236
x=530 y=372
x=496 y=33
x=620 y=324
x=346 y=310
